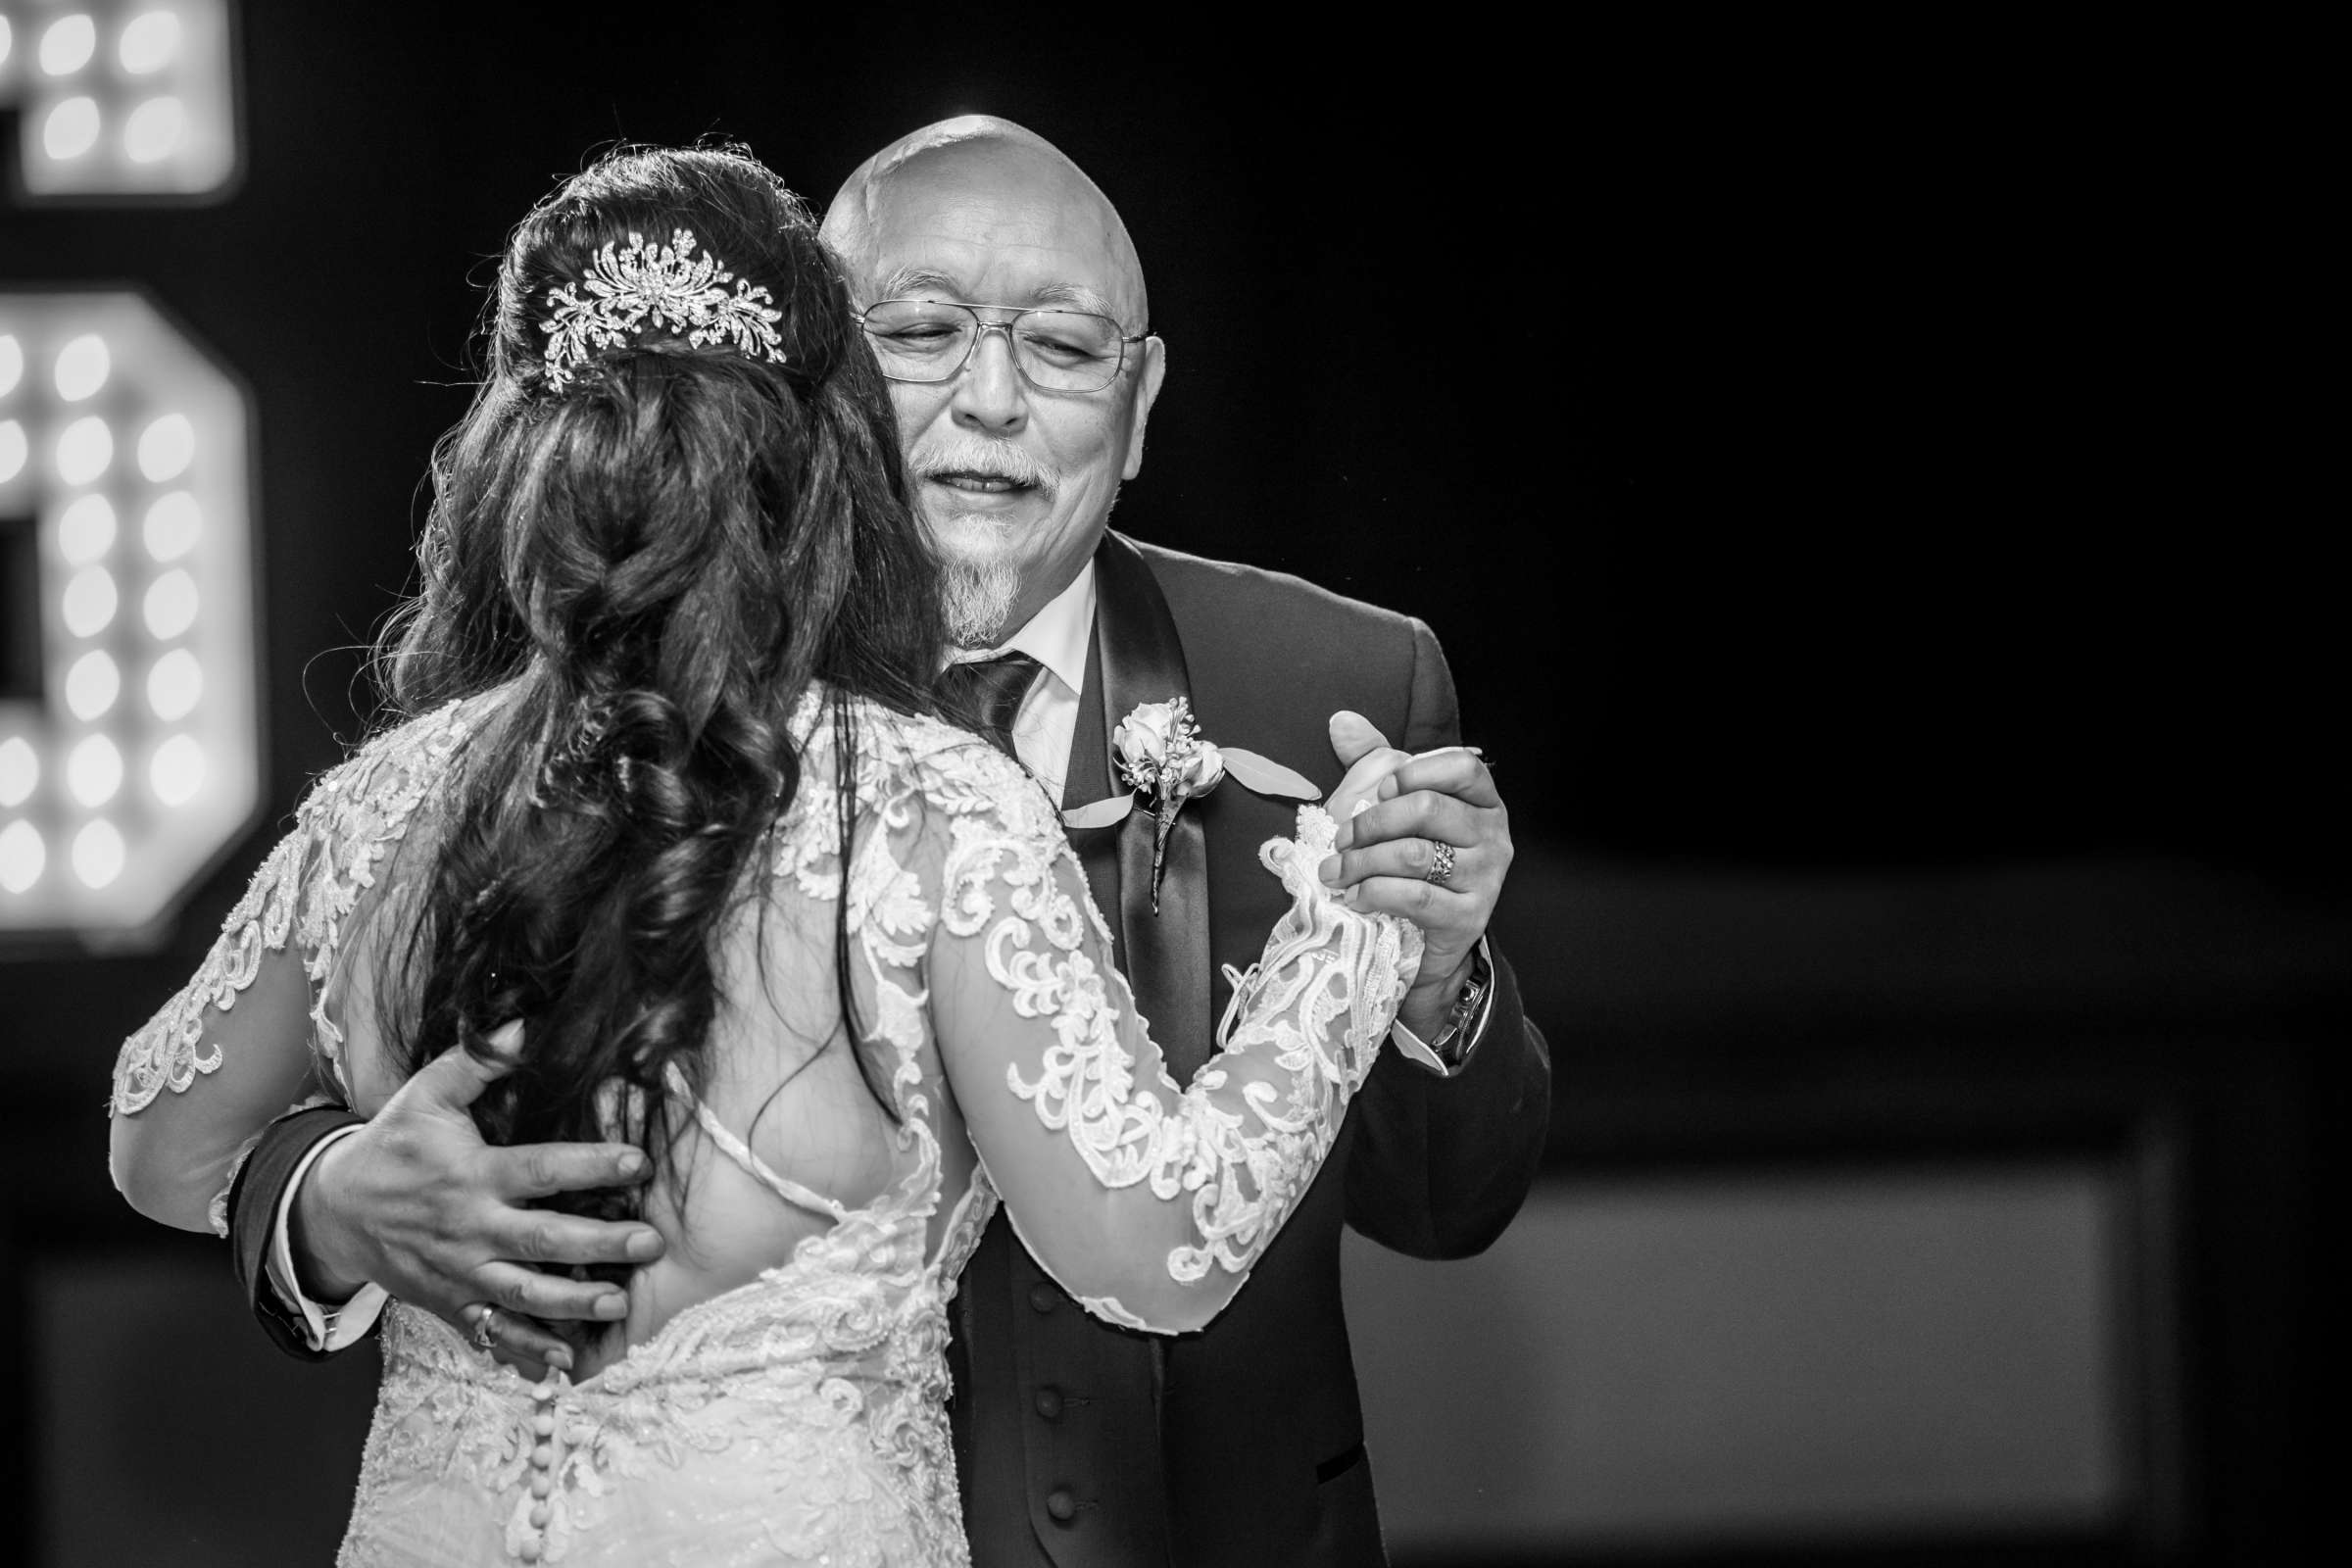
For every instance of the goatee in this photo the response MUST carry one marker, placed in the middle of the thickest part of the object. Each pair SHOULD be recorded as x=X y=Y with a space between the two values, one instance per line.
x=978 y=599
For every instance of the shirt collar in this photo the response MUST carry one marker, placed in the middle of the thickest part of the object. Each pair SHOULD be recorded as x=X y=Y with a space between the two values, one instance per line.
x=1056 y=636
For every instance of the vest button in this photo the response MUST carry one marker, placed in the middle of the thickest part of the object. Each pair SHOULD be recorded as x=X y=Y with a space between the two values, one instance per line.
x=1062 y=1505
x=1041 y=1297
x=1049 y=1404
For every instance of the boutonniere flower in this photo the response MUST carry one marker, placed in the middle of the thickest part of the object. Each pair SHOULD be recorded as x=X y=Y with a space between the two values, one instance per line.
x=1162 y=755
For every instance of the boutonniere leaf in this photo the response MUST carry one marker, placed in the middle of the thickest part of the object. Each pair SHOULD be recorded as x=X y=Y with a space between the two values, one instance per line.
x=1107 y=813
x=1262 y=775
x=1162 y=754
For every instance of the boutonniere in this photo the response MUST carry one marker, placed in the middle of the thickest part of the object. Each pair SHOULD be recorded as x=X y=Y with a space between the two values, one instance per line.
x=1162 y=754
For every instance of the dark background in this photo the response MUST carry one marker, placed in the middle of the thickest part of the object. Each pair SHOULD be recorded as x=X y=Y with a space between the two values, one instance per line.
x=1856 y=477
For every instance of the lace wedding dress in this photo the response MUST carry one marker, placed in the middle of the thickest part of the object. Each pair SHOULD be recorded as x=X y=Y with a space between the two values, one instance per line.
x=797 y=1414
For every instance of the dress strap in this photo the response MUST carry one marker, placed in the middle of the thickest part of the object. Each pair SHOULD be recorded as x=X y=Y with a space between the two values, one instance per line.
x=749 y=1164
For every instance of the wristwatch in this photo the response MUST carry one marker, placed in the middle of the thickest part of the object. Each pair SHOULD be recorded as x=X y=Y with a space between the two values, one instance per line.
x=1469 y=1009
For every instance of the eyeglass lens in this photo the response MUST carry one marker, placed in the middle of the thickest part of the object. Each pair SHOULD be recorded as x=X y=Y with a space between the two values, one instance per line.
x=929 y=340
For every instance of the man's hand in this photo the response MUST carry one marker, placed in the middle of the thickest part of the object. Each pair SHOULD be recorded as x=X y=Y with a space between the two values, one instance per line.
x=1446 y=796
x=417 y=1202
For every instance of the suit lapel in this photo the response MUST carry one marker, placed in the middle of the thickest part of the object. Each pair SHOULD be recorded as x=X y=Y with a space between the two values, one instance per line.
x=1135 y=657
x=1090 y=779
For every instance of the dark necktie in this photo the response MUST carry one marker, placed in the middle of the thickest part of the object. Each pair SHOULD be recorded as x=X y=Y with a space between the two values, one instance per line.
x=986 y=694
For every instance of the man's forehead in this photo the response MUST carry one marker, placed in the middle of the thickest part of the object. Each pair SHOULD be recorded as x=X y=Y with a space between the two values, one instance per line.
x=919 y=281
x=1014 y=219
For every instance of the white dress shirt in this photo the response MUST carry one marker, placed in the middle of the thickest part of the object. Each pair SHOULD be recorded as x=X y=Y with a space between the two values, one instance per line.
x=1056 y=637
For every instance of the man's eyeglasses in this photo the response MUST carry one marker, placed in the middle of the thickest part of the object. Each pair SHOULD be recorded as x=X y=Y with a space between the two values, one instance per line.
x=1056 y=350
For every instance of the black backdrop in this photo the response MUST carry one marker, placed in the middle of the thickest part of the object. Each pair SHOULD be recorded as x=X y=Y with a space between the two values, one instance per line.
x=1839 y=458
x=1808 y=447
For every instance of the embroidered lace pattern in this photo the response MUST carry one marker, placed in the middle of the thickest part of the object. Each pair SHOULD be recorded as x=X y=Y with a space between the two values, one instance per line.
x=167 y=1051
x=367 y=802
x=1241 y=1161
x=304 y=891
x=800 y=1419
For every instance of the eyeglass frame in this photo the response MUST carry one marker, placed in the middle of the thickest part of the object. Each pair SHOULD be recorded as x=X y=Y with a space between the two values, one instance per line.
x=982 y=327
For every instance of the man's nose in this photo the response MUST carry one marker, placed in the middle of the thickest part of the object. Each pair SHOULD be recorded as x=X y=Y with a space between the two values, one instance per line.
x=989 y=393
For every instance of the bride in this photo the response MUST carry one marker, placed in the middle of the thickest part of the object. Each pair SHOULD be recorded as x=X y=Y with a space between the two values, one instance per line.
x=675 y=831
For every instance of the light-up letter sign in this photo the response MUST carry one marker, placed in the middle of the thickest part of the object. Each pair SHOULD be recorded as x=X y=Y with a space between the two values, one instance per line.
x=128 y=724
x=120 y=98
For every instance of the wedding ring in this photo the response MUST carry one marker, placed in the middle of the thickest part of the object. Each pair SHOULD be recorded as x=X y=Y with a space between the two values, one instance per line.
x=1442 y=867
x=485 y=1328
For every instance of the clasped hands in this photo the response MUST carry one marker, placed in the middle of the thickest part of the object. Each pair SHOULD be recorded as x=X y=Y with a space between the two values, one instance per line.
x=417 y=1202
x=1418 y=807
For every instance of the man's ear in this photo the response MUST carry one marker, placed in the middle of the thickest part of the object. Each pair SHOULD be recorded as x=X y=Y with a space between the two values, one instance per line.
x=1147 y=392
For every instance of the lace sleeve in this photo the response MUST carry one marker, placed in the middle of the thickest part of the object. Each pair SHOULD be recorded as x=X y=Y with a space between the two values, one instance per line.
x=241 y=1028
x=251 y=1035
x=1147 y=1201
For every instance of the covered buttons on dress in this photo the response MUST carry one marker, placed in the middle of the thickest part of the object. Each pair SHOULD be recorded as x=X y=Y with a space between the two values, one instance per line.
x=530 y=1542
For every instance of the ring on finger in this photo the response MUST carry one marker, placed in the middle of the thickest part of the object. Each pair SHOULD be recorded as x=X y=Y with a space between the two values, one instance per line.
x=485 y=1327
x=1440 y=866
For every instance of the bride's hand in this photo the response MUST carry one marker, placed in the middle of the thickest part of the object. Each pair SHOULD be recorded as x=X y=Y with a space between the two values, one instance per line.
x=1369 y=758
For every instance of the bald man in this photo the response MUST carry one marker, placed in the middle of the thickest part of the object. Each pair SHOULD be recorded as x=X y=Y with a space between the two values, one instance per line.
x=1007 y=305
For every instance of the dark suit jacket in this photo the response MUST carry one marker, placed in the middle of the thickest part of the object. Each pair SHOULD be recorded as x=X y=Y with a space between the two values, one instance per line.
x=1083 y=1445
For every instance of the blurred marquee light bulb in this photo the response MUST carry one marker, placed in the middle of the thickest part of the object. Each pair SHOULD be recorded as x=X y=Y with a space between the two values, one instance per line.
x=19 y=770
x=98 y=853
x=171 y=606
x=89 y=601
x=94 y=770
x=87 y=530
x=176 y=773
x=8 y=37
x=67 y=45
x=84 y=450
x=102 y=448
x=70 y=130
x=92 y=684
x=166 y=448
x=148 y=42
x=154 y=130
x=174 y=684
x=82 y=367
x=171 y=525
x=22 y=857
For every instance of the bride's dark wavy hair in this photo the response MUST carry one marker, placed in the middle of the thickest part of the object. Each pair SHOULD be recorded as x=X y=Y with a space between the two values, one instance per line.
x=660 y=558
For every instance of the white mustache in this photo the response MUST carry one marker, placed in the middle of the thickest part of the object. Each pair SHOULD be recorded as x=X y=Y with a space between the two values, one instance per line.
x=965 y=453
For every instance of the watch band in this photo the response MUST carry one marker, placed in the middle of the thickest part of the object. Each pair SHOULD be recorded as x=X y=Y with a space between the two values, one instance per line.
x=1456 y=1036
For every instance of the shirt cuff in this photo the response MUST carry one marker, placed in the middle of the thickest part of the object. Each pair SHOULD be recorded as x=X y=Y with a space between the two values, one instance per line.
x=1421 y=1054
x=326 y=1328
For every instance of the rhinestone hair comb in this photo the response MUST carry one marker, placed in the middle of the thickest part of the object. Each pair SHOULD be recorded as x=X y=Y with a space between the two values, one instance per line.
x=666 y=286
